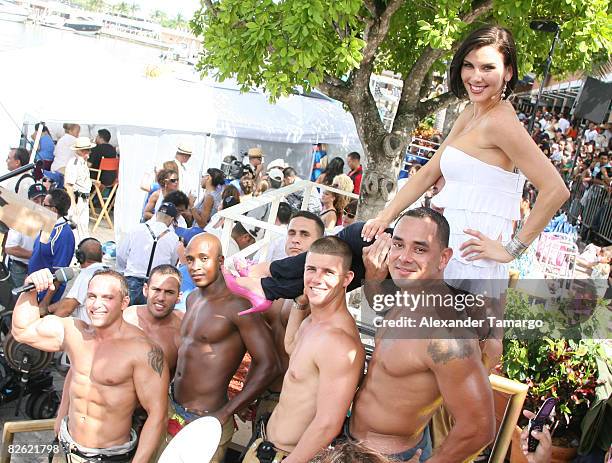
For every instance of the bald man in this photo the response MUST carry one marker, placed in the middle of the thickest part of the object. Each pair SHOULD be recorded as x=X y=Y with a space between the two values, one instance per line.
x=213 y=341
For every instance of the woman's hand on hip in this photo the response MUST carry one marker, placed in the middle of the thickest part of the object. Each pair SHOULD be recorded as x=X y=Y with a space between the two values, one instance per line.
x=482 y=247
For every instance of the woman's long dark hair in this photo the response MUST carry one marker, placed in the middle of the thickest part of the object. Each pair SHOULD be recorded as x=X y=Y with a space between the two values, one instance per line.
x=335 y=167
x=495 y=36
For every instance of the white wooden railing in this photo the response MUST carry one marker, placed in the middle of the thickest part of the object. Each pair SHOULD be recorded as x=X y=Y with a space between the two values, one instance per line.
x=274 y=198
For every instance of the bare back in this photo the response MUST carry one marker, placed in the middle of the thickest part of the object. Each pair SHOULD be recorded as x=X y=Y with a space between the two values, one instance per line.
x=210 y=351
x=102 y=389
x=302 y=384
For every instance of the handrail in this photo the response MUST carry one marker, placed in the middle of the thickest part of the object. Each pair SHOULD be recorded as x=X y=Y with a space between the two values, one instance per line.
x=272 y=197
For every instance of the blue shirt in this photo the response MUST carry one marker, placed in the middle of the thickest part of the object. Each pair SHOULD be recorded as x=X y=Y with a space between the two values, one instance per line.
x=317 y=165
x=45 y=149
x=186 y=287
x=56 y=253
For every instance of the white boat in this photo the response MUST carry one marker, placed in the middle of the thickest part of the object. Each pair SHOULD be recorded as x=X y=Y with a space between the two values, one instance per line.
x=10 y=11
x=82 y=24
x=74 y=23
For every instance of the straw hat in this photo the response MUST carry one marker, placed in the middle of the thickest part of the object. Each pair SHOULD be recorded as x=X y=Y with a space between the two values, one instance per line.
x=184 y=148
x=82 y=143
x=255 y=153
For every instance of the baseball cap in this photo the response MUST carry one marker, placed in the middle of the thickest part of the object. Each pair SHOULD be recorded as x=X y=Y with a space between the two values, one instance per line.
x=276 y=174
x=169 y=209
x=36 y=190
x=277 y=164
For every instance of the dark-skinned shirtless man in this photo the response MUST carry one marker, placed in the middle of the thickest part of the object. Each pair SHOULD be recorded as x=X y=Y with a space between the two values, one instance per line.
x=326 y=362
x=213 y=341
x=114 y=368
x=409 y=376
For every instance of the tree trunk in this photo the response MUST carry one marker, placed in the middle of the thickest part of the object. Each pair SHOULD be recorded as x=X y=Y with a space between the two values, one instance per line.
x=452 y=113
x=383 y=151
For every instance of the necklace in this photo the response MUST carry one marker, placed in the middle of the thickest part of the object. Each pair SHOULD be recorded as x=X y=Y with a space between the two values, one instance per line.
x=470 y=125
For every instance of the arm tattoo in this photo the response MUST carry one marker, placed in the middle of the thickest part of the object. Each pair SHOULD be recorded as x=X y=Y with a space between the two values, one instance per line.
x=443 y=351
x=156 y=359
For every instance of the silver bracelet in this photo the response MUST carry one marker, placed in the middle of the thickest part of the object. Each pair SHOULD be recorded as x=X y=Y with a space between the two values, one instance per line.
x=300 y=307
x=515 y=247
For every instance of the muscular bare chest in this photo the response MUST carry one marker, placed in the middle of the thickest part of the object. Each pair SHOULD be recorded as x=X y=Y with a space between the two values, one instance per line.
x=205 y=325
x=397 y=357
x=302 y=367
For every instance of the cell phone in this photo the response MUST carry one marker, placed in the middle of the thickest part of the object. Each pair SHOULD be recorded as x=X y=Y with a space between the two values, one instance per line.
x=537 y=423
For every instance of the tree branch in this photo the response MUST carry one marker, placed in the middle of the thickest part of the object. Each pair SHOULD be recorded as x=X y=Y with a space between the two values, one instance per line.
x=436 y=104
x=334 y=88
x=409 y=100
x=426 y=86
x=210 y=7
x=371 y=7
x=376 y=32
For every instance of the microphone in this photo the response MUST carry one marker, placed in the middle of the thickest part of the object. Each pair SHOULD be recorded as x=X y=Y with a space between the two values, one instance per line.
x=61 y=275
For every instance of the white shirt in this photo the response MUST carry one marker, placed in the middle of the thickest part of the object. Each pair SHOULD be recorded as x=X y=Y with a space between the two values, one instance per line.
x=564 y=124
x=589 y=135
x=276 y=249
x=24 y=185
x=232 y=248
x=134 y=251
x=14 y=238
x=63 y=153
x=78 y=291
x=77 y=175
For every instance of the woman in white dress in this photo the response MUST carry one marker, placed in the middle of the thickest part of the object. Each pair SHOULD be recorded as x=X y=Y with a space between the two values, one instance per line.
x=478 y=160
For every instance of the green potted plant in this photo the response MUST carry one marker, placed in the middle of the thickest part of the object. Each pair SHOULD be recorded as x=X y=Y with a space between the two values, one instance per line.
x=557 y=360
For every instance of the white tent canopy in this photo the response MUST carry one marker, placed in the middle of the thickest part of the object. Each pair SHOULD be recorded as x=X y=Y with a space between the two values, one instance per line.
x=149 y=116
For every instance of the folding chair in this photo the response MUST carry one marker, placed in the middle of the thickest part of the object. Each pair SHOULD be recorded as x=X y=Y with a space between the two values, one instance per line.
x=104 y=193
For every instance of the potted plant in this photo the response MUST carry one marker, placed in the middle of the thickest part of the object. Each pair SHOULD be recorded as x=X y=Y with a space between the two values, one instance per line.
x=558 y=360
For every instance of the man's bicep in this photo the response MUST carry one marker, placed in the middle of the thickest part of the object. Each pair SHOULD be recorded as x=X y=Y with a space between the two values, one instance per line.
x=256 y=335
x=340 y=369
x=46 y=334
x=462 y=379
x=151 y=379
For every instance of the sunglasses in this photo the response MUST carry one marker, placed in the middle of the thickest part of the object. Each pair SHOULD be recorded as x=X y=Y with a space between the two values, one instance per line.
x=173 y=180
x=350 y=215
x=47 y=180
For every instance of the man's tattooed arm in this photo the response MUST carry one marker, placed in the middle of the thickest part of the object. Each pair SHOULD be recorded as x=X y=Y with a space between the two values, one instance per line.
x=156 y=359
x=445 y=350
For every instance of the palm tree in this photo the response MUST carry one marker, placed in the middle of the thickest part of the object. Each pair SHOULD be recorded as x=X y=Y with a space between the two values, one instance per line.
x=159 y=16
x=96 y=5
x=122 y=8
x=134 y=8
x=179 y=21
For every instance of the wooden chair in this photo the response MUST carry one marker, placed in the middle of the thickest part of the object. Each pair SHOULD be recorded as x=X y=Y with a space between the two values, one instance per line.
x=104 y=193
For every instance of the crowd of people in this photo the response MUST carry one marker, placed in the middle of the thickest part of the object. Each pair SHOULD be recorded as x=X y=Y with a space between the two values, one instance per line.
x=150 y=367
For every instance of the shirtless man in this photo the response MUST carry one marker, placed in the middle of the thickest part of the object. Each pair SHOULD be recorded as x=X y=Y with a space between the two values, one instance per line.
x=114 y=367
x=304 y=229
x=213 y=341
x=158 y=319
x=387 y=418
x=325 y=365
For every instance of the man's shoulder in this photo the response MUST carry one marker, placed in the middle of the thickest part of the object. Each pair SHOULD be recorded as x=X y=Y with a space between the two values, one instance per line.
x=442 y=352
x=336 y=337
